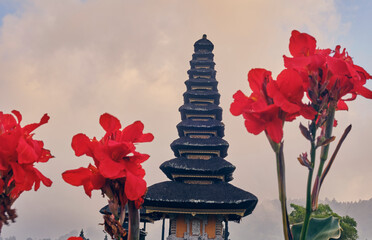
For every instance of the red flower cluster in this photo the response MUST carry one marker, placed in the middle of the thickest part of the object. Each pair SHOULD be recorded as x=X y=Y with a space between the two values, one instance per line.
x=324 y=78
x=325 y=72
x=117 y=169
x=272 y=102
x=18 y=154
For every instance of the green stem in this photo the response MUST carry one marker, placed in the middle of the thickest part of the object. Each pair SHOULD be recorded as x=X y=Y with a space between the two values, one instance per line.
x=308 y=212
x=280 y=167
x=327 y=134
x=133 y=224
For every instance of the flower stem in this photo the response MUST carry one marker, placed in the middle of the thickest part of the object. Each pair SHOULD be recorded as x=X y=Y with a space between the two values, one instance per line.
x=323 y=154
x=134 y=219
x=280 y=169
x=308 y=212
x=327 y=134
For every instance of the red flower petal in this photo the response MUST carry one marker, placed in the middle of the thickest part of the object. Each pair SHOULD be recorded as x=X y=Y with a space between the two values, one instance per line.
x=90 y=179
x=135 y=187
x=133 y=133
x=301 y=44
x=81 y=145
x=18 y=171
x=18 y=115
x=26 y=152
x=7 y=122
x=1 y=185
x=254 y=125
x=257 y=77
x=275 y=130
x=290 y=85
x=76 y=177
x=365 y=92
x=108 y=167
x=31 y=127
x=147 y=137
x=109 y=123
x=46 y=181
x=341 y=105
x=241 y=102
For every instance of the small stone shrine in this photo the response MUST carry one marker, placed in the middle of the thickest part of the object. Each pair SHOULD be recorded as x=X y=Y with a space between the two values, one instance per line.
x=199 y=200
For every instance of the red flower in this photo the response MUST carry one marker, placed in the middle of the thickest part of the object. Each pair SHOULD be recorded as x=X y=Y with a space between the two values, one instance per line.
x=257 y=109
x=75 y=238
x=338 y=74
x=271 y=102
x=350 y=78
x=18 y=153
x=115 y=158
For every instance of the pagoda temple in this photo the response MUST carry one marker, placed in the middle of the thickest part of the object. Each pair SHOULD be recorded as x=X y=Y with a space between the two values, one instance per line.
x=199 y=200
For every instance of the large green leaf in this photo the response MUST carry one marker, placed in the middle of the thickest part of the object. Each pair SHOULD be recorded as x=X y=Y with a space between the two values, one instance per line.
x=319 y=229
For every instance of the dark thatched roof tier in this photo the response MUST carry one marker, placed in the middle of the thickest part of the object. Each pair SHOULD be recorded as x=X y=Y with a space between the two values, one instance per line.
x=194 y=95
x=203 y=56
x=198 y=110
x=213 y=166
x=178 y=195
x=201 y=84
x=194 y=73
x=209 y=125
x=203 y=45
x=202 y=62
x=199 y=144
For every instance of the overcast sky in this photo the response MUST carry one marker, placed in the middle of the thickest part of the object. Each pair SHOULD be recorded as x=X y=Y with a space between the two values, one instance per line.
x=78 y=59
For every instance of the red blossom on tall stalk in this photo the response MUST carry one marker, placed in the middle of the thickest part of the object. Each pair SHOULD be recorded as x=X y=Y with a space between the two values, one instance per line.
x=117 y=169
x=18 y=154
x=271 y=102
x=328 y=79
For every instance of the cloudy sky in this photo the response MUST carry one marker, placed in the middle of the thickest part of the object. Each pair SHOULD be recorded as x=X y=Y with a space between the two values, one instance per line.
x=78 y=59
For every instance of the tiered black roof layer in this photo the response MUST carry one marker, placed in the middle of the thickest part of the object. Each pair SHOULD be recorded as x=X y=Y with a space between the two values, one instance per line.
x=188 y=125
x=216 y=196
x=214 y=166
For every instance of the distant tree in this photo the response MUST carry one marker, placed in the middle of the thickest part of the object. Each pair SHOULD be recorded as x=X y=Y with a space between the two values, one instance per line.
x=348 y=224
x=82 y=235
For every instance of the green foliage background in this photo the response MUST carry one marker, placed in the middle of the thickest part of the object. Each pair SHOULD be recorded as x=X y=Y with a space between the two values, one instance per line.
x=348 y=224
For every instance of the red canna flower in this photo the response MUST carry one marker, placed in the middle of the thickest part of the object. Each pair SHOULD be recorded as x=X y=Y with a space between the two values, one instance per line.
x=115 y=158
x=272 y=102
x=336 y=74
x=18 y=154
x=258 y=110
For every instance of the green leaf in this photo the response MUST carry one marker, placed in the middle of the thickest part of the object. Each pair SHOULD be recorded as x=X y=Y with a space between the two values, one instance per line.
x=319 y=229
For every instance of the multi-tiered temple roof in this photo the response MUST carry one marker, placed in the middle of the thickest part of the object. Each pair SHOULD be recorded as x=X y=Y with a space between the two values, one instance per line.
x=199 y=175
